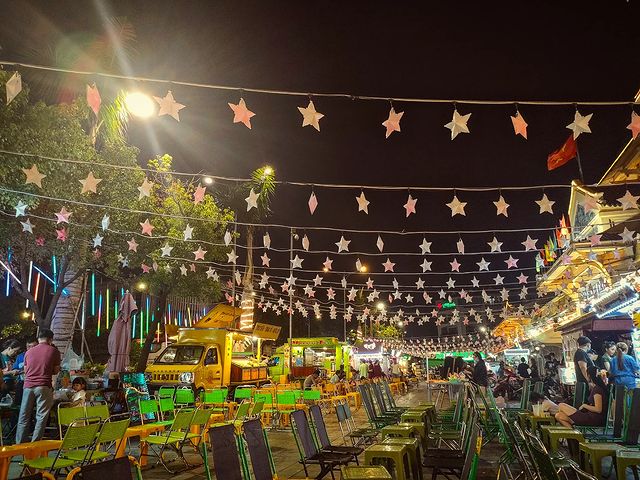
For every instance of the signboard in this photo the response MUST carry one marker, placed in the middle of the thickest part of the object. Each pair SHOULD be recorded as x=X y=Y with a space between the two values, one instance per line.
x=315 y=342
x=220 y=316
x=266 y=331
x=466 y=356
x=593 y=288
x=516 y=352
x=369 y=347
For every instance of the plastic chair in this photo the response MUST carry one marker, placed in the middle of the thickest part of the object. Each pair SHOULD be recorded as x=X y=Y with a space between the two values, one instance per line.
x=286 y=406
x=100 y=410
x=167 y=408
x=365 y=472
x=323 y=436
x=111 y=432
x=227 y=461
x=185 y=396
x=268 y=410
x=243 y=393
x=76 y=437
x=149 y=411
x=166 y=392
x=216 y=399
x=259 y=450
x=68 y=416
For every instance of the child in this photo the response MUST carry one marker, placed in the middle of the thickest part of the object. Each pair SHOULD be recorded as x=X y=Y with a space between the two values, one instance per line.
x=79 y=387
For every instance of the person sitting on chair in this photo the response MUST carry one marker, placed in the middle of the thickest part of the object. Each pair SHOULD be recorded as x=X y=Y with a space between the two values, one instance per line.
x=593 y=413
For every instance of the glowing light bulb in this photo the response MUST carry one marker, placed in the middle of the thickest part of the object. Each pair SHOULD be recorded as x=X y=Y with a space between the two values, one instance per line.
x=139 y=104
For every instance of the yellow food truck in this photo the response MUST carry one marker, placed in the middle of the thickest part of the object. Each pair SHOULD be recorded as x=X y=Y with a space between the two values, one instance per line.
x=212 y=354
x=324 y=353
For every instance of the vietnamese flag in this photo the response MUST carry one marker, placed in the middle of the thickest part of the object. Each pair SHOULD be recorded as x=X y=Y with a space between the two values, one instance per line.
x=561 y=156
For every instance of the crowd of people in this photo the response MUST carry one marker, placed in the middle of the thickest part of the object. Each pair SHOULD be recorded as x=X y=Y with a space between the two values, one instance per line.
x=27 y=384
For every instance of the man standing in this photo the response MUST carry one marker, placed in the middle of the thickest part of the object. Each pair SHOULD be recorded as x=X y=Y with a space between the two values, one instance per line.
x=19 y=366
x=582 y=361
x=41 y=363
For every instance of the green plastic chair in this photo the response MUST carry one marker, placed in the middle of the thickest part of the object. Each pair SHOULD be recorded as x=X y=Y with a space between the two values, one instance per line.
x=68 y=416
x=311 y=396
x=216 y=399
x=268 y=407
x=167 y=408
x=200 y=420
x=166 y=392
x=111 y=434
x=149 y=411
x=242 y=393
x=171 y=440
x=101 y=411
x=185 y=396
x=78 y=437
x=256 y=411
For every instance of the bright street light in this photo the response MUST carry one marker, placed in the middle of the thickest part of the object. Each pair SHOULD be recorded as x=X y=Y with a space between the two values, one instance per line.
x=139 y=104
x=363 y=269
x=207 y=180
x=141 y=286
x=380 y=306
x=400 y=324
x=268 y=170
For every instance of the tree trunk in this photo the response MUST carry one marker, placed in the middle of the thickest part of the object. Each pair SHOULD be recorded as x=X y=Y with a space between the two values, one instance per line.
x=146 y=348
x=64 y=315
x=247 y=303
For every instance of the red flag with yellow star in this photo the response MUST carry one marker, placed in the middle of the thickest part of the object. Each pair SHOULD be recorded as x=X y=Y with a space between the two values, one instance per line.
x=561 y=156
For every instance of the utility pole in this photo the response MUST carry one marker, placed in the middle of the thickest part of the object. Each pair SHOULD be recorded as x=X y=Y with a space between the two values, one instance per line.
x=291 y=235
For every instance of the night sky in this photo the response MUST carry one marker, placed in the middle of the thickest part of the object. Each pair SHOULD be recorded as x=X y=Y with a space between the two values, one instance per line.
x=574 y=51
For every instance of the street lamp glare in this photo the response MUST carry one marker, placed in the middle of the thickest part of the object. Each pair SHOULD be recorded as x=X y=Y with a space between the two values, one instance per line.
x=380 y=306
x=207 y=180
x=139 y=104
x=325 y=269
x=141 y=286
x=363 y=268
x=400 y=324
x=268 y=170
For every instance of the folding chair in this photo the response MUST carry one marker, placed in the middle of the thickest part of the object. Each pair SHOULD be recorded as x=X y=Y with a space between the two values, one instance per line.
x=150 y=412
x=118 y=468
x=166 y=392
x=268 y=408
x=228 y=464
x=171 y=440
x=309 y=452
x=68 y=416
x=243 y=392
x=357 y=436
x=111 y=434
x=257 y=443
x=323 y=436
x=77 y=437
x=216 y=399
x=185 y=397
x=167 y=408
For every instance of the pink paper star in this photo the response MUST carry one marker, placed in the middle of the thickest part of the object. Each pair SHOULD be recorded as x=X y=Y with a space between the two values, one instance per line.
x=192 y=267
x=327 y=263
x=145 y=268
x=634 y=126
x=392 y=123
x=93 y=98
x=199 y=254
x=40 y=241
x=61 y=234
x=511 y=262
x=410 y=206
x=63 y=216
x=241 y=114
x=519 y=125
x=147 y=228
x=388 y=265
x=133 y=245
x=198 y=195
x=455 y=266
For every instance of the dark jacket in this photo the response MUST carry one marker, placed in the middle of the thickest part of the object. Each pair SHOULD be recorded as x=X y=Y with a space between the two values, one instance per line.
x=480 y=374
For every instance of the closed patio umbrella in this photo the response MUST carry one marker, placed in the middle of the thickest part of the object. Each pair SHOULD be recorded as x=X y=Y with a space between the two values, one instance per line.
x=120 y=335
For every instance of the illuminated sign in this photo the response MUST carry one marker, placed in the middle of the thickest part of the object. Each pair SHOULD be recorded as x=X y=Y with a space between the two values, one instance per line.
x=445 y=305
x=266 y=331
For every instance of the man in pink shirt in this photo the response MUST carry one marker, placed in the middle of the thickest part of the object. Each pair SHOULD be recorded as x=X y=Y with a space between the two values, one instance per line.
x=41 y=363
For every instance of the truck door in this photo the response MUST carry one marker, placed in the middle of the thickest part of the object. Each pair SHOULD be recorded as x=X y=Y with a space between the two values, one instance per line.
x=212 y=368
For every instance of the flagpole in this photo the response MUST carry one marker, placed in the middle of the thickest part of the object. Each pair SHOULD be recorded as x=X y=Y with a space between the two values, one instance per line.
x=579 y=163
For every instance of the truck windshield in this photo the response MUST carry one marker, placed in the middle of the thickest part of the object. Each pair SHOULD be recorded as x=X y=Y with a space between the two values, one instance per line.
x=181 y=355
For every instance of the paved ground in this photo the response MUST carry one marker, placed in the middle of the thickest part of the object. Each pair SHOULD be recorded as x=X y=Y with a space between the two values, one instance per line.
x=286 y=456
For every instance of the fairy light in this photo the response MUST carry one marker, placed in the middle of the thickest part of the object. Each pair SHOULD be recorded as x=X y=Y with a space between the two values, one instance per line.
x=54 y=269
x=29 y=281
x=99 y=313
x=148 y=308
x=93 y=294
x=108 y=309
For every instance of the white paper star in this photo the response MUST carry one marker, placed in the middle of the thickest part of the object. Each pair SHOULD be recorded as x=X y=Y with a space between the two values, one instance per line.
x=501 y=206
x=530 y=243
x=97 y=240
x=166 y=250
x=475 y=282
x=13 y=86
x=252 y=200
x=545 y=204
x=210 y=273
x=232 y=257
x=105 y=222
x=425 y=246
x=426 y=266
x=168 y=106
x=296 y=262
x=379 y=244
x=627 y=235
x=227 y=238
x=419 y=284
x=266 y=241
x=310 y=116
x=458 y=124
x=628 y=201
x=27 y=226
x=343 y=244
x=460 y=246
x=498 y=279
x=451 y=283
x=145 y=188
x=363 y=203
x=392 y=123
x=483 y=264
x=183 y=270
x=495 y=245
x=457 y=207
x=187 y=234
x=21 y=209
x=580 y=124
